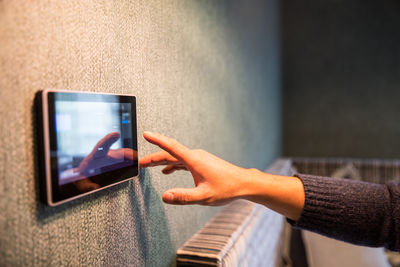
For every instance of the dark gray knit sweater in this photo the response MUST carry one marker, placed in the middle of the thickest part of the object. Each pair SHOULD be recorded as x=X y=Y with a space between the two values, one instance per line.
x=357 y=212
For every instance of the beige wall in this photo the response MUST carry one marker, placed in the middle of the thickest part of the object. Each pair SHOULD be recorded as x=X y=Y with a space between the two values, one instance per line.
x=204 y=72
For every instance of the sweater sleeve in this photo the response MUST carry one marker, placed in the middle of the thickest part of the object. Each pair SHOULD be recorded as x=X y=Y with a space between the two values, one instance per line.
x=353 y=211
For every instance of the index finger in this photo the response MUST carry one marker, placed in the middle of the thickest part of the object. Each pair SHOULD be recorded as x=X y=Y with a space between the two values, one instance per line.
x=170 y=145
x=159 y=158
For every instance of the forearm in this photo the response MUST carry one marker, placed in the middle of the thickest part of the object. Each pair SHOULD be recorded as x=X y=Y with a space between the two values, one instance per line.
x=352 y=211
x=283 y=194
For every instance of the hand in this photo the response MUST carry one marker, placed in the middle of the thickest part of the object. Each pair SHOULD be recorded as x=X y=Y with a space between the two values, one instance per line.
x=217 y=181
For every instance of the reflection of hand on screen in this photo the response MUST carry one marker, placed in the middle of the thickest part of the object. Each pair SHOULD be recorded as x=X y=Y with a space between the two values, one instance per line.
x=86 y=185
x=101 y=156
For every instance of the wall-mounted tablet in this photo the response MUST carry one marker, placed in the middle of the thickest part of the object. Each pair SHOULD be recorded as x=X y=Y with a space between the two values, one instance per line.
x=88 y=142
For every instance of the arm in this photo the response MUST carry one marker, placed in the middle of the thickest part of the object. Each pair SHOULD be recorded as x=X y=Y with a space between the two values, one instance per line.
x=353 y=211
x=218 y=182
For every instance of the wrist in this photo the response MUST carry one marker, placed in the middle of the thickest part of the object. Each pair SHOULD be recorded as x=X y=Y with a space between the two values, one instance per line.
x=283 y=194
x=255 y=186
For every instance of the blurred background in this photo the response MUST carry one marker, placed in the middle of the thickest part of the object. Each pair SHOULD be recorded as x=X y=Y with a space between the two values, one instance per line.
x=341 y=78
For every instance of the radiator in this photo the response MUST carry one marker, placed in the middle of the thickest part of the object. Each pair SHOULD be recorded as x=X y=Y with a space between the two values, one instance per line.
x=241 y=234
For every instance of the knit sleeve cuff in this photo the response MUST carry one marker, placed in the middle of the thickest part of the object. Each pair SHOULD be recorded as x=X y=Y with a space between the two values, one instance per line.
x=322 y=200
x=314 y=193
x=337 y=207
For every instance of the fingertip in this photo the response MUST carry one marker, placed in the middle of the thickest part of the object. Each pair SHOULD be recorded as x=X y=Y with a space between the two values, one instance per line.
x=147 y=134
x=168 y=197
x=144 y=163
x=151 y=137
x=146 y=160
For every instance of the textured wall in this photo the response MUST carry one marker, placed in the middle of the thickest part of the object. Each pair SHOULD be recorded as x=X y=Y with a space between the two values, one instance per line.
x=204 y=72
x=341 y=67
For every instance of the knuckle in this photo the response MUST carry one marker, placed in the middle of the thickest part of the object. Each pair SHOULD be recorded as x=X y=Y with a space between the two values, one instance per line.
x=197 y=154
x=253 y=170
x=199 y=151
x=173 y=142
x=208 y=198
x=182 y=198
x=210 y=201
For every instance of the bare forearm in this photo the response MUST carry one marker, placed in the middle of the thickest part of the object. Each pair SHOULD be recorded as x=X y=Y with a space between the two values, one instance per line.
x=283 y=194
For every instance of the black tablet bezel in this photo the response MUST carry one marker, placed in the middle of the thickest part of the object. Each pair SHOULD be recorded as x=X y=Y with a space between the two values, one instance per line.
x=57 y=194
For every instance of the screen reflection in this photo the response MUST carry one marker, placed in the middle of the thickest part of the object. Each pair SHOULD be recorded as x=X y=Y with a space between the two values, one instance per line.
x=93 y=138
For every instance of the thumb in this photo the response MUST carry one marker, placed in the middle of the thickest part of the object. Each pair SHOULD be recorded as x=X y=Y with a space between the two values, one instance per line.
x=184 y=196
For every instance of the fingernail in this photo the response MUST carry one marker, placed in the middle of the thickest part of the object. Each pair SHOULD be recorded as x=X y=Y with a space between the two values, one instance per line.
x=148 y=133
x=168 y=197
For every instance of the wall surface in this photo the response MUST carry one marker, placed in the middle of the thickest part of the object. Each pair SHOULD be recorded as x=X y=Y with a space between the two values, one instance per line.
x=341 y=78
x=204 y=72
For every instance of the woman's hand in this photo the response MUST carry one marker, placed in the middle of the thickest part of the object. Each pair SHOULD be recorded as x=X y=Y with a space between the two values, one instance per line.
x=217 y=181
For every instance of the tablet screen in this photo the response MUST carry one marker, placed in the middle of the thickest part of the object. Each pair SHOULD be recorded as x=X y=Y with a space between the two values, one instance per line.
x=93 y=141
x=81 y=127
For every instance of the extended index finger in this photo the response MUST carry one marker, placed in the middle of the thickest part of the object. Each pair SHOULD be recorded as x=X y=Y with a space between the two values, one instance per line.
x=170 y=145
x=159 y=158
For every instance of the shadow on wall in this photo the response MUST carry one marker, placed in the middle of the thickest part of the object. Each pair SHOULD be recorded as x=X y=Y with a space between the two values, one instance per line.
x=151 y=238
x=152 y=229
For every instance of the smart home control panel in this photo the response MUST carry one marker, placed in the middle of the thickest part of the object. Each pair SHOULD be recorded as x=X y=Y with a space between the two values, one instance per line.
x=88 y=142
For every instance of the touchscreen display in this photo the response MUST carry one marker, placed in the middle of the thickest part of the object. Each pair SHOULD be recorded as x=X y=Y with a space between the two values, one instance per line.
x=97 y=134
x=92 y=141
